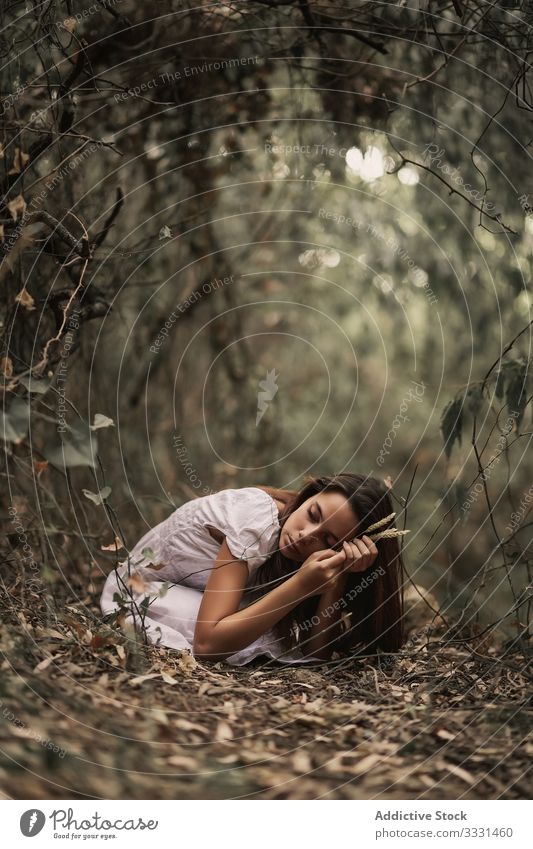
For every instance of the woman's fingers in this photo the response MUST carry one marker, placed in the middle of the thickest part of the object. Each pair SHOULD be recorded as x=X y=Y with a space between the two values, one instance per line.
x=330 y=554
x=354 y=556
x=361 y=552
x=336 y=563
x=371 y=545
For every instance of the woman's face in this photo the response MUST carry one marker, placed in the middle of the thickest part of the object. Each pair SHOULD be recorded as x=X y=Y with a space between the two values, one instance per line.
x=320 y=522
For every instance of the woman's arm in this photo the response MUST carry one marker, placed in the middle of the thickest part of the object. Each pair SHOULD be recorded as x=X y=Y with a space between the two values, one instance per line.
x=221 y=629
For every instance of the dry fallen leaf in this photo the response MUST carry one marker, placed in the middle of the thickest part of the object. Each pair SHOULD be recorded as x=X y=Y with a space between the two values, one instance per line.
x=7 y=366
x=136 y=583
x=139 y=679
x=44 y=664
x=25 y=299
x=168 y=679
x=365 y=764
x=351 y=763
x=461 y=773
x=22 y=242
x=52 y=632
x=182 y=762
x=187 y=663
x=100 y=640
x=160 y=716
x=223 y=731
x=228 y=759
x=301 y=762
x=229 y=708
x=20 y=160
x=444 y=735
x=114 y=545
x=17 y=206
x=187 y=725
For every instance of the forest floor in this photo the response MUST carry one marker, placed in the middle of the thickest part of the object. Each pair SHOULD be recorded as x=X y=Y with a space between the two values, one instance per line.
x=134 y=722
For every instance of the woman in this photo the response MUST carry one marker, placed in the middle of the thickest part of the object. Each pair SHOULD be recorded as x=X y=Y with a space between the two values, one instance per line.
x=258 y=570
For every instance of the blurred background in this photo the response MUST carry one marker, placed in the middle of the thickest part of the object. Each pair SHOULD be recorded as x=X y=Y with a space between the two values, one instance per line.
x=247 y=242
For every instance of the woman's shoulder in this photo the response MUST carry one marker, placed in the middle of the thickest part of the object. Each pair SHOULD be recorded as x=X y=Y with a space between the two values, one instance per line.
x=243 y=493
x=248 y=518
x=252 y=503
x=281 y=497
x=249 y=502
x=251 y=498
x=273 y=495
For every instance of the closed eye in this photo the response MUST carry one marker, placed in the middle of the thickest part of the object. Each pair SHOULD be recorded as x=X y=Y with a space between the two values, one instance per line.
x=316 y=518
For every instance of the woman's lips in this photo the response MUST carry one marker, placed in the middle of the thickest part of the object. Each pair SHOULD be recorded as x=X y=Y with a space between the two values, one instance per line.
x=293 y=545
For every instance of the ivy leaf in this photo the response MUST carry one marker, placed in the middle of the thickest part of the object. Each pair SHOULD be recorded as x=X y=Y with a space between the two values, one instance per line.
x=451 y=424
x=38 y=387
x=101 y=421
x=516 y=395
x=97 y=497
x=500 y=384
x=164 y=589
x=474 y=399
x=79 y=449
x=461 y=497
x=15 y=423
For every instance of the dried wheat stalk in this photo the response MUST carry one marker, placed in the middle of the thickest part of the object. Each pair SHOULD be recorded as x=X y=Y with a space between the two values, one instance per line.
x=390 y=533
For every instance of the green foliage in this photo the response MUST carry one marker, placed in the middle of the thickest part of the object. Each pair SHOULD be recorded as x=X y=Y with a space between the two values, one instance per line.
x=97 y=497
x=357 y=262
x=14 y=423
x=79 y=449
x=452 y=424
x=34 y=385
x=516 y=389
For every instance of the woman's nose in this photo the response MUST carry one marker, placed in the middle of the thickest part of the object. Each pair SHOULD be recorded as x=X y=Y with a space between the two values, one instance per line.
x=307 y=537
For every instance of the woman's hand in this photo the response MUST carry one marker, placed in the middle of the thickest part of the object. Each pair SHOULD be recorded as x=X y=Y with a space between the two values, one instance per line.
x=321 y=572
x=360 y=554
x=326 y=571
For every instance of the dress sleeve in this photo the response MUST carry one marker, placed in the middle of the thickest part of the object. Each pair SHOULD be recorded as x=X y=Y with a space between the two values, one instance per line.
x=248 y=517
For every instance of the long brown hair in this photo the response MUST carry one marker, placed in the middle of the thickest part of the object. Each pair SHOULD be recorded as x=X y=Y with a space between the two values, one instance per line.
x=373 y=615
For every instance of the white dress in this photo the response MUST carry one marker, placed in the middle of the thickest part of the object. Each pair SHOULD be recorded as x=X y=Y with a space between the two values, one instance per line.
x=248 y=518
